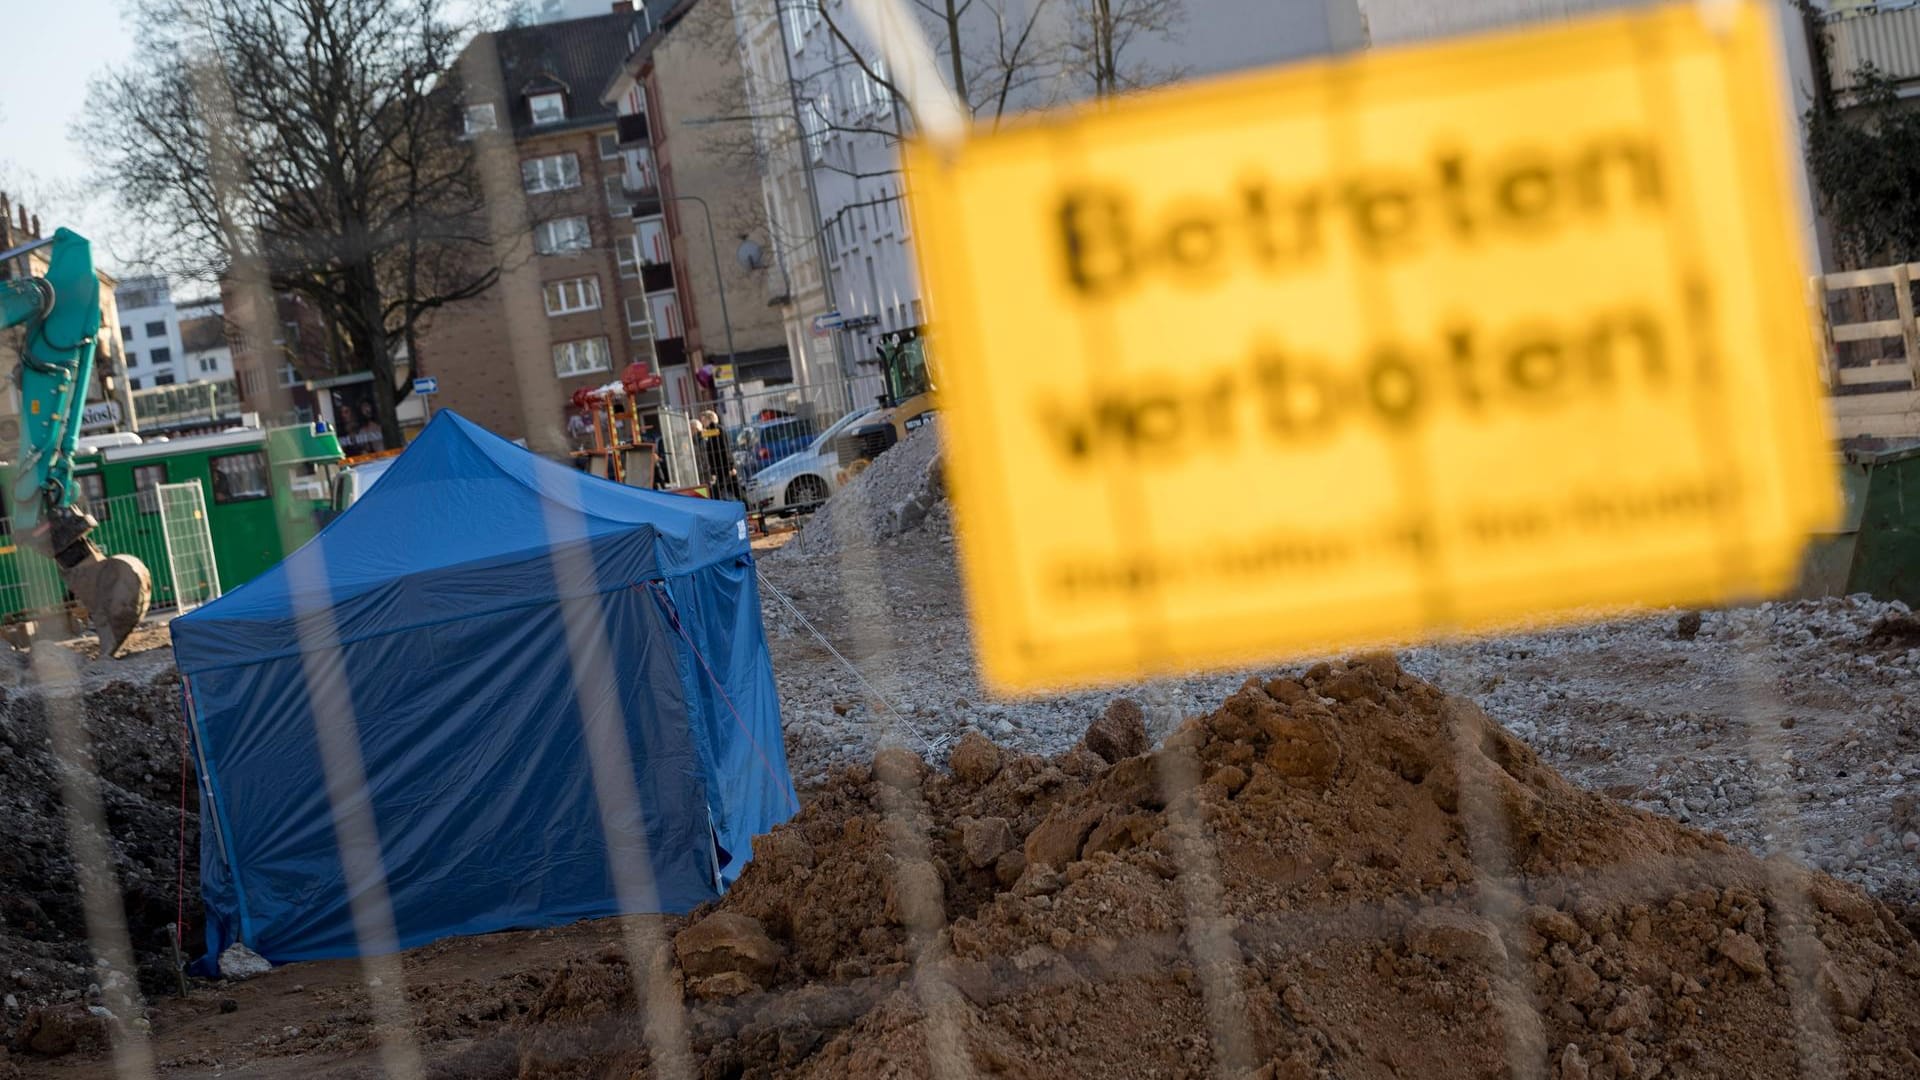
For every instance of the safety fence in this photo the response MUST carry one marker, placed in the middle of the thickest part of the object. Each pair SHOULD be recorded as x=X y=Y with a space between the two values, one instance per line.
x=188 y=541
x=166 y=528
x=779 y=450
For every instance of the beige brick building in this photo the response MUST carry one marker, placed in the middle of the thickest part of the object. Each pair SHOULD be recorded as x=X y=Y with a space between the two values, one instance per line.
x=724 y=304
x=570 y=309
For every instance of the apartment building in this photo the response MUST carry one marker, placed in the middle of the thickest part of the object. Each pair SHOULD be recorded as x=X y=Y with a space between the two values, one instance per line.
x=797 y=284
x=840 y=148
x=560 y=199
x=700 y=235
x=205 y=352
x=150 y=327
x=1396 y=22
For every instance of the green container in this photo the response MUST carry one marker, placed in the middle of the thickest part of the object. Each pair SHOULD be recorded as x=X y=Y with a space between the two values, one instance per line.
x=1876 y=547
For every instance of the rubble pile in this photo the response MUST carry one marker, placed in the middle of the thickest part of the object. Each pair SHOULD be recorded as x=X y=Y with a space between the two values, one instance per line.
x=134 y=734
x=1348 y=873
x=893 y=496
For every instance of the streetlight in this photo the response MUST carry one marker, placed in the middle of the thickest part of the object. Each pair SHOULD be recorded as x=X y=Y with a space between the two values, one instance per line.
x=720 y=282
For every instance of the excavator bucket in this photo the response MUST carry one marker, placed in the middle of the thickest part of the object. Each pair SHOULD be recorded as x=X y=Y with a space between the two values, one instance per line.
x=115 y=591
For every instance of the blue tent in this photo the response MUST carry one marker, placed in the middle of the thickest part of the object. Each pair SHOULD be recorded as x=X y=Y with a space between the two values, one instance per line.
x=535 y=695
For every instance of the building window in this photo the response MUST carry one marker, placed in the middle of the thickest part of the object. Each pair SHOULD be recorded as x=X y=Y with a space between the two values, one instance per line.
x=479 y=119
x=609 y=146
x=639 y=327
x=126 y=333
x=147 y=478
x=663 y=311
x=156 y=329
x=163 y=355
x=583 y=357
x=133 y=359
x=626 y=252
x=573 y=294
x=796 y=26
x=209 y=364
x=562 y=235
x=556 y=172
x=239 y=477
x=133 y=384
x=639 y=169
x=547 y=108
x=289 y=375
x=93 y=492
x=918 y=319
x=651 y=235
x=165 y=378
x=617 y=203
x=813 y=119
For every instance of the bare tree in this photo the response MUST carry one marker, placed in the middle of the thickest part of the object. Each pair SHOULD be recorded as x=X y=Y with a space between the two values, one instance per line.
x=1094 y=56
x=317 y=140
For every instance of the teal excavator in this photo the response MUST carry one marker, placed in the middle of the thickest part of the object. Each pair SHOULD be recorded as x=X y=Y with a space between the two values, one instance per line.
x=61 y=314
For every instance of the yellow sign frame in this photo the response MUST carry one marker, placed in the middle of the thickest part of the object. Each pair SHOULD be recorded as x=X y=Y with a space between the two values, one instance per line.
x=1067 y=424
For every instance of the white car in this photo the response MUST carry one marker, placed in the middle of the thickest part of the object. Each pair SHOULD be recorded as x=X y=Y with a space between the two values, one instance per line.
x=353 y=481
x=803 y=480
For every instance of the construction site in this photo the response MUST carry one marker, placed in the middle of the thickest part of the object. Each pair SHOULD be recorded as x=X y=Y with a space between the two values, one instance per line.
x=1389 y=557
x=1683 y=844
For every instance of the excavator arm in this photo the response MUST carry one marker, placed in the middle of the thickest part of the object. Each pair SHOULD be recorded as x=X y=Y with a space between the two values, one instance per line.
x=61 y=316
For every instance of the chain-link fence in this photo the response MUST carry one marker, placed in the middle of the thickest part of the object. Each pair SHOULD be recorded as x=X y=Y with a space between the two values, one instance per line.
x=1669 y=843
x=780 y=450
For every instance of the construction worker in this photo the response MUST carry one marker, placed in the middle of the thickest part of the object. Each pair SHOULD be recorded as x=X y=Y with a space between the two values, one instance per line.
x=716 y=459
x=580 y=438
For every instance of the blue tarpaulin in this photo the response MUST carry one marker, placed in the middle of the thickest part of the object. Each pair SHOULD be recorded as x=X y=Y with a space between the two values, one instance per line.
x=549 y=695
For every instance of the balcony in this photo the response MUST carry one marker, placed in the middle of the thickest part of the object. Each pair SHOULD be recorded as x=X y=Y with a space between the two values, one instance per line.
x=632 y=129
x=1883 y=35
x=640 y=182
x=655 y=277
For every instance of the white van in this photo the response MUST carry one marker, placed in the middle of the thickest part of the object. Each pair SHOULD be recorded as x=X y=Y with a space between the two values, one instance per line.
x=353 y=481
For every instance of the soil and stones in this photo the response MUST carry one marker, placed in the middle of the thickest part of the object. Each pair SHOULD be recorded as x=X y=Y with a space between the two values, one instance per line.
x=1330 y=870
x=133 y=730
x=1346 y=873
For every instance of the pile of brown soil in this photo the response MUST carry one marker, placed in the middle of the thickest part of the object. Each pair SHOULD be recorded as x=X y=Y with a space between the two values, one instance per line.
x=1350 y=874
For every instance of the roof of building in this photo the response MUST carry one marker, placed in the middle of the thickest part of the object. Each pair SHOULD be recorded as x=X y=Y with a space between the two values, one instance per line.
x=573 y=56
x=203 y=334
x=664 y=16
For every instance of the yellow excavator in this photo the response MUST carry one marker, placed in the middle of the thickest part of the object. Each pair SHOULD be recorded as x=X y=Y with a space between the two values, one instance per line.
x=60 y=312
x=908 y=403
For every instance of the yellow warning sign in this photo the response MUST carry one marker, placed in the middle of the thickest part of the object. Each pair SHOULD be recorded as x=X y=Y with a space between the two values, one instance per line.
x=1415 y=343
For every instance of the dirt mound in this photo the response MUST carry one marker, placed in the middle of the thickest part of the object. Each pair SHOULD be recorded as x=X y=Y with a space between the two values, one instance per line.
x=134 y=733
x=1349 y=874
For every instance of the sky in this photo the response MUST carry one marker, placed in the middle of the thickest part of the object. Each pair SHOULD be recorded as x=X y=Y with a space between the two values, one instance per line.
x=43 y=87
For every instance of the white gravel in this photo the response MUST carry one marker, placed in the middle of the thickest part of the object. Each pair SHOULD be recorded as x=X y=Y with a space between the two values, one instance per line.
x=1784 y=726
x=1779 y=725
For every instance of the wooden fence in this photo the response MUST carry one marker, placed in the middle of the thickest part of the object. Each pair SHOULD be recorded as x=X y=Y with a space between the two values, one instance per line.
x=1873 y=395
